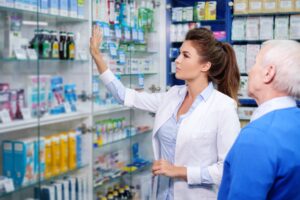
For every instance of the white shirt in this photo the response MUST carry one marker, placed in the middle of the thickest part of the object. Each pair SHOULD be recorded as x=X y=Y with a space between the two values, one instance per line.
x=273 y=104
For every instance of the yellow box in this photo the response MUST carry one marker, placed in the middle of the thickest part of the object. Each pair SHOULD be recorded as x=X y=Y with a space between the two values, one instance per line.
x=72 y=149
x=210 y=10
x=63 y=152
x=297 y=5
x=55 y=148
x=255 y=6
x=269 y=6
x=240 y=7
x=284 y=6
x=48 y=157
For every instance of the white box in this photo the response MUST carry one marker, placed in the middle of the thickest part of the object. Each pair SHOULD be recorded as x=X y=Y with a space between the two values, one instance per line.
x=240 y=52
x=53 y=7
x=255 y=6
x=245 y=113
x=252 y=28
x=243 y=90
x=238 y=29
x=266 y=31
x=251 y=52
x=72 y=7
x=63 y=7
x=295 y=27
x=281 y=27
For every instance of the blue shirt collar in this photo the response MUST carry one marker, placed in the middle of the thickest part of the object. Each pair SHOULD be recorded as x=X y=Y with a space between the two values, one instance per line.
x=204 y=95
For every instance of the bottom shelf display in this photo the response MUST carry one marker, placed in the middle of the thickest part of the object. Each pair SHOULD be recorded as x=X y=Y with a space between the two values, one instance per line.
x=7 y=186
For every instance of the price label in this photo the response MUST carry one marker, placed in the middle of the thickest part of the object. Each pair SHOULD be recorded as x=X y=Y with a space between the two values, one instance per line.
x=67 y=108
x=25 y=113
x=20 y=54
x=5 y=117
x=8 y=185
x=31 y=53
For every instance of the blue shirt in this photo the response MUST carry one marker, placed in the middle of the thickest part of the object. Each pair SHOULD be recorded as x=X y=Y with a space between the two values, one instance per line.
x=264 y=162
x=167 y=135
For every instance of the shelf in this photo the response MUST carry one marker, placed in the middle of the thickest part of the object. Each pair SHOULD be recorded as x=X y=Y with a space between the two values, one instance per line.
x=247 y=102
x=41 y=60
x=42 y=16
x=124 y=139
x=43 y=181
x=46 y=120
x=134 y=53
x=135 y=74
x=265 y=14
x=201 y=21
x=99 y=185
x=107 y=109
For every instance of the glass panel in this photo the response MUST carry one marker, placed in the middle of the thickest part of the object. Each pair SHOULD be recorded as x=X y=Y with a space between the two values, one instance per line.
x=19 y=108
x=122 y=150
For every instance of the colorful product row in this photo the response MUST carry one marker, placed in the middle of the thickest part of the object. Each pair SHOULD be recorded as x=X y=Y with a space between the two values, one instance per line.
x=26 y=160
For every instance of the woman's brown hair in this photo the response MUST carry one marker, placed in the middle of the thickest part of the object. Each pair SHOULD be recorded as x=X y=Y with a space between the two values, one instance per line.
x=224 y=71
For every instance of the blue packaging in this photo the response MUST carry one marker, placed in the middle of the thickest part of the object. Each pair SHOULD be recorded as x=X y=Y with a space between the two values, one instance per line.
x=72 y=8
x=24 y=162
x=8 y=159
x=70 y=96
x=63 y=7
x=44 y=6
x=78 y=148
x=34 y=5
x=53 y=7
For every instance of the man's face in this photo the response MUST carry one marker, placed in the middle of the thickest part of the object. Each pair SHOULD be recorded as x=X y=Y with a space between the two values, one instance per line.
x=256 y=76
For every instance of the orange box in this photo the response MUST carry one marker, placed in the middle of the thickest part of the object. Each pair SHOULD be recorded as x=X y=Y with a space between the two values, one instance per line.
x=240 y=7
x=284 y=6
x=269 y=6
x=255 y=6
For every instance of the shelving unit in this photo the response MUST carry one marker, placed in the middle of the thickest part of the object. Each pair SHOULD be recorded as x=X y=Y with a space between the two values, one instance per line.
x=222 y=23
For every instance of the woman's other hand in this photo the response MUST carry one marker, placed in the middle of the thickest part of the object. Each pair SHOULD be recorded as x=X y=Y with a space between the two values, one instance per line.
x=163 y=167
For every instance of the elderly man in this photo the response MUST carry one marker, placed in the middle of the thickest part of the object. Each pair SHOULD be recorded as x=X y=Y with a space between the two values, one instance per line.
x=264 y=162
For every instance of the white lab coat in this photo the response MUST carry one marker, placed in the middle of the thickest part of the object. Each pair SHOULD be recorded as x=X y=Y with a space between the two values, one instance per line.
x=203 y=140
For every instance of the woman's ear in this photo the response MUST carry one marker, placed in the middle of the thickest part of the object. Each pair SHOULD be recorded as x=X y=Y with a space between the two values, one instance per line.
x=205 y=67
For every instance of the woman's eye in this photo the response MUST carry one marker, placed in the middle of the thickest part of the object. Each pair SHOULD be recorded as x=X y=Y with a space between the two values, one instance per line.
x=185 y=55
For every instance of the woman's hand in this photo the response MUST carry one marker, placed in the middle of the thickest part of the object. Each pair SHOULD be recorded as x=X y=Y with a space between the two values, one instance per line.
x=163 y=167
x=95 y=41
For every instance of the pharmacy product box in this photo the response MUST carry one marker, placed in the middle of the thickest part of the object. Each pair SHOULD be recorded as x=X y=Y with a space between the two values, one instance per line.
x=255 y=6
x=266 y=31
x=238 y=29
x=281 y=27
x=39 y=163
x=64 y=152
x=199 y=11
x=252 y=28
x=251 y=52
x=295 y=27
x=80 y=9
x=187 y=14
x=54 y=7
x=24 y=162
x=8 y=159
x=72 y=7
x=63 y=8
x=55 y=152
x=48 y=157
x=44 y=6
x=72 y=150
x=297 y=5
x=211 y=10
x=240 y=52
x=269 y=6
x=284 y=6
x=7 y=3
x=240 y=7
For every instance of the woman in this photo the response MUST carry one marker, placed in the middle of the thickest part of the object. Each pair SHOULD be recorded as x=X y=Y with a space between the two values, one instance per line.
x=195 y=124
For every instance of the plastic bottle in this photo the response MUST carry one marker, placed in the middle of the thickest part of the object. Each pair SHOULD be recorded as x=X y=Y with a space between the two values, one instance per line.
x=62 y=45
x=45 y=45
x=71 y=46
x=54 y=45
x=35 y=42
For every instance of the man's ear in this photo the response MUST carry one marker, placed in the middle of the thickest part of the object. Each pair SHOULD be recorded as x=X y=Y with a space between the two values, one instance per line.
x=269 y=73
x=205 y=67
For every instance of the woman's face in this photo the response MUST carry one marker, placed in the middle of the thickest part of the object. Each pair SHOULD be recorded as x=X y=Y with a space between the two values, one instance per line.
x=188 y=63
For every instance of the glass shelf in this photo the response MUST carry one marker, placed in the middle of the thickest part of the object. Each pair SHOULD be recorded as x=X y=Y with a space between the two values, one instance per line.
x=43 y=181
x=124 y=139
x=135 y=74
x=43 y=16
x=41 y=60
x=241 y=42
x=134 y=53
x=200 y=21
x=265 y=14
x=124 y=173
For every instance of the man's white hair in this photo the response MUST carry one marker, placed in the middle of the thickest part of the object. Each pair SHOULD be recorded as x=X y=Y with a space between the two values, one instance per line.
x=285 y=56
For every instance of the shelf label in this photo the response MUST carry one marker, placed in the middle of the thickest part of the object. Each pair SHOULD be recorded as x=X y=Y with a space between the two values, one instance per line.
x=26 y=113
x=4 y=116
x=20 y=54
x=67 y=107
x=8 y=185
x=31 y=53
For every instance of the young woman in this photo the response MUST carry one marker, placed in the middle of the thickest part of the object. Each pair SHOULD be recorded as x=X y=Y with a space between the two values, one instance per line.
x=195 y=124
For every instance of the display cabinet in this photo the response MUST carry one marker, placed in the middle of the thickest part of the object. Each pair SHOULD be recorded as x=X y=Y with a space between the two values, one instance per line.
x=62 y=133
